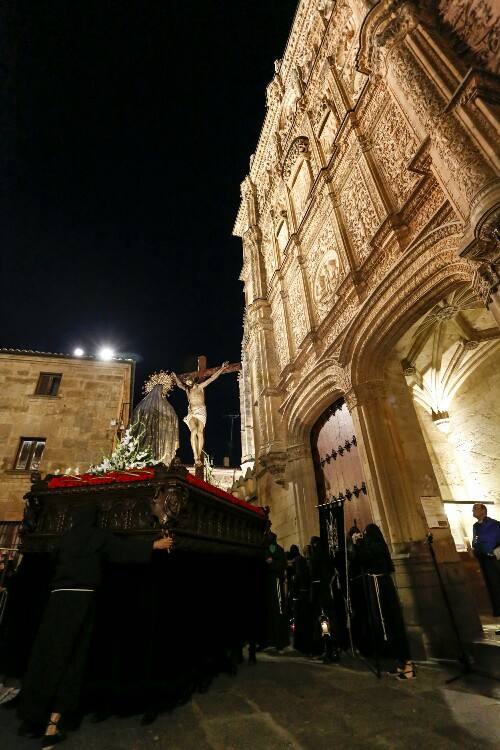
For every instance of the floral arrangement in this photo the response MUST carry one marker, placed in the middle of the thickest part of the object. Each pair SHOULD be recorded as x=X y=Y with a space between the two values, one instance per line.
x=208 y=471
x=126 y=455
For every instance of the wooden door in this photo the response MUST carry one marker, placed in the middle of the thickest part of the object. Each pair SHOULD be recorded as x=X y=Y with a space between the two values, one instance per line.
x=339 y=475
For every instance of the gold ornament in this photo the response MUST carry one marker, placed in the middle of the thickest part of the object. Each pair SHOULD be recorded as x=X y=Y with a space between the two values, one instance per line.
x=165 y=379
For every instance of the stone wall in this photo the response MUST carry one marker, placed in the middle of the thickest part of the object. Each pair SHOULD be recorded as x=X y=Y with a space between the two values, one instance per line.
x=79 y=424
x=475 y=430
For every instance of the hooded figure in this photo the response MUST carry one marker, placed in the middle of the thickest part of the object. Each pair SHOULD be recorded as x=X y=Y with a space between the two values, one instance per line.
x=383 y=610
x=299 y=585
x=278 y=626
x=57 y=665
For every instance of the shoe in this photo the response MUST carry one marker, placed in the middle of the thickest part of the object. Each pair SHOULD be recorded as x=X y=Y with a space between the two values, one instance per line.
x=51 y=740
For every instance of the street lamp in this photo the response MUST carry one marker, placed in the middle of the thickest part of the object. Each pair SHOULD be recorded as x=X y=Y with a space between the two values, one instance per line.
x=106 y=353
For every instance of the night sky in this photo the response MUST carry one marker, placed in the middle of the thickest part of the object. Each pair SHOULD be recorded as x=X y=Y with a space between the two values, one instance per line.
x=126 y=131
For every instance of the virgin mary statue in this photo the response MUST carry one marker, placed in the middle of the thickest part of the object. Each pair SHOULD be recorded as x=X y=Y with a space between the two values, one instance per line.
x=157 y=425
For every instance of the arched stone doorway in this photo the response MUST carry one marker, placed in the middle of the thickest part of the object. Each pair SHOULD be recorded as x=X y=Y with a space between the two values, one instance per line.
x=451 y=363
x=337 y=465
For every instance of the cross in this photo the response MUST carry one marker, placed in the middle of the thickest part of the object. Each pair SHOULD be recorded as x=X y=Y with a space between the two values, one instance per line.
x=203 y=372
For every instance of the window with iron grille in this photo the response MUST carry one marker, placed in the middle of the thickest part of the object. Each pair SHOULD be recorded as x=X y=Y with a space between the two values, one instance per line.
x=48 y=384
x=30 y=453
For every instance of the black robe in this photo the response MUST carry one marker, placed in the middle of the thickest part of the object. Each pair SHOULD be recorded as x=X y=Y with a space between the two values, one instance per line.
x=277 y=622
x=58 y=659
x=300 y=598
x=381 y=614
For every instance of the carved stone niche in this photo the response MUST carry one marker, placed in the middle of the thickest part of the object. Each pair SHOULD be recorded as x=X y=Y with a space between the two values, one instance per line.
x=297 y=173
x=299 y=147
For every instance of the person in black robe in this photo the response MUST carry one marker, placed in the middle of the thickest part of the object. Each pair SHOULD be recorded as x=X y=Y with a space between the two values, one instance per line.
x=299 y=586
x=325 y=626
x=373 y=559
x=56 y=668
x=277 y=623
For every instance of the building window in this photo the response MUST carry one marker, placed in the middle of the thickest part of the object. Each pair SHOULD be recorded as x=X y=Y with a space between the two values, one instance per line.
x=29 y=454
x=48 y=384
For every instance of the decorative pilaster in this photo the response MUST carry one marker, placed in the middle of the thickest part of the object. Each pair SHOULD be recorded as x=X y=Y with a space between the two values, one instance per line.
x=386 y=468
x=268 y=429
x=339 y=219
x=252 y=253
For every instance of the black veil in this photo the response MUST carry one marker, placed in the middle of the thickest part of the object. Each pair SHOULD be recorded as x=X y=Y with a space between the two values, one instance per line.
x=155 y=421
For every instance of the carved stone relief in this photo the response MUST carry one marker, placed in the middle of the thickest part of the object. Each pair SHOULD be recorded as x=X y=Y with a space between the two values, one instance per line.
x=359 y=212
x=282 y=234
x=394 y=146
x=280 y=339
x=461 y=157
x=477 y=23
x=327 y=134
x=300 y=189
x=297 y=309
x=326 y=281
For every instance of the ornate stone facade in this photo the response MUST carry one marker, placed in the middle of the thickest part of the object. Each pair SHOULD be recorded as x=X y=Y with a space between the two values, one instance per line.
x=373 y=194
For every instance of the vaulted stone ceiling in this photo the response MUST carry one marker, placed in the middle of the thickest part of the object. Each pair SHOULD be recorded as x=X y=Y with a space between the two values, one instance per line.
x=444 y=348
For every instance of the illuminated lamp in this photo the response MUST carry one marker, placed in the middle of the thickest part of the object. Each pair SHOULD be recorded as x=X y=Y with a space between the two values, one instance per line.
x=324 y=623
x=441 y=420
x=106 y=353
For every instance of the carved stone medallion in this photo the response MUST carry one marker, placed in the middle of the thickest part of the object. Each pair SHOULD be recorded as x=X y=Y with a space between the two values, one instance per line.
x=326 y=280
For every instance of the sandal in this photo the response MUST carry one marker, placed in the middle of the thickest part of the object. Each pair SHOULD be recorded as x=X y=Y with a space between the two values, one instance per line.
x=51 y=740
x=407 y=674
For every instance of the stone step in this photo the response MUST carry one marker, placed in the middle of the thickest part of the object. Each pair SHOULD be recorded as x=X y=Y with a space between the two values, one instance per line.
x=485 y=656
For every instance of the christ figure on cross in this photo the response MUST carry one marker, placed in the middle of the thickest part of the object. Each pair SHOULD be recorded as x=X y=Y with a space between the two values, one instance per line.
x=197 y=411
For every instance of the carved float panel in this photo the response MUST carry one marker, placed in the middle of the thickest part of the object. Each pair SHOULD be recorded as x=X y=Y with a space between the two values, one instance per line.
x=200 y=517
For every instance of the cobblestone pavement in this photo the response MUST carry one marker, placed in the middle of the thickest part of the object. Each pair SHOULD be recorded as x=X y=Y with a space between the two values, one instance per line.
x=291 y=703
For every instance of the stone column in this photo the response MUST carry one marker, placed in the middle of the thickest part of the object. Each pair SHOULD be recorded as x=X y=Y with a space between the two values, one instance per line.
x=386 y=475
x=302 y=492
x=246 y=413
x=270 y=454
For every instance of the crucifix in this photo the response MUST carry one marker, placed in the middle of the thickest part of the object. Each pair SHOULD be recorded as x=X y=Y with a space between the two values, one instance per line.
x=194 y=384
